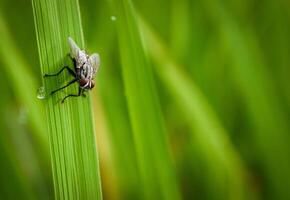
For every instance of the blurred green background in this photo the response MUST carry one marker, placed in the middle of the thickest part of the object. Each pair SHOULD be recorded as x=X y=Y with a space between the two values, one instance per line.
x=220 y=76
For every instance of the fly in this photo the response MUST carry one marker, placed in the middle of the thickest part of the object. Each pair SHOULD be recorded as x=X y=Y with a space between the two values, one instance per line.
x=85 y=69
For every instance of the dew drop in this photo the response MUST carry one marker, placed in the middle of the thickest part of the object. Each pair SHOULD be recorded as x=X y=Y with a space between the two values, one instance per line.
x=41 y=93
x=113 y=18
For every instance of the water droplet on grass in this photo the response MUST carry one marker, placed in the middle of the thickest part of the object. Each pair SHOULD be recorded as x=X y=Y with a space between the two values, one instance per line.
x=41 y=93
x=113 y=18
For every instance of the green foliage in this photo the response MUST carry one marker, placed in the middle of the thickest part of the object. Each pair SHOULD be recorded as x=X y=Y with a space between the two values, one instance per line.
x=206 y=130
x=154 y=162
x=70 y=125
x=191 y=101
x=18 y=149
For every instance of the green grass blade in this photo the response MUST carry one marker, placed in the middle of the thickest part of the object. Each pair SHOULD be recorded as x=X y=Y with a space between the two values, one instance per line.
x=271 y=123
x=206 y=129
x=19 y=140
x=180 y=27
x=121 y=170
x=158 y=180
x=119 y=129
x=10 y=170
x=21 y=79
x=70 y=125
x=251 y=75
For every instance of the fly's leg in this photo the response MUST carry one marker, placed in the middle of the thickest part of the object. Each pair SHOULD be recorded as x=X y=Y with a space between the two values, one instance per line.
x=71 y=82
x=73 y=95
x=65 y=67
x=73 y=60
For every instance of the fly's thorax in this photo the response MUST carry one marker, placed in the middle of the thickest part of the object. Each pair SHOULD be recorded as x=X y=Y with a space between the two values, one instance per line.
x=87 y=71
x=81 y=58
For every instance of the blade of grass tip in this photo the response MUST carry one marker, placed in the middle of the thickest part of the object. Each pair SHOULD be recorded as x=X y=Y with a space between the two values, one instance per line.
x=205 y=126
x=158 y=179
x=70 y=125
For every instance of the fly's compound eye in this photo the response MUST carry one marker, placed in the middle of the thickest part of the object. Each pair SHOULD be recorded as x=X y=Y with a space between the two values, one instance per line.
x=87 y=83
x=84 y=83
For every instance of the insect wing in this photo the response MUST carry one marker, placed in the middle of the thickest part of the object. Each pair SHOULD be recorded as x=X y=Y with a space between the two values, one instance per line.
x=95 y=62
x=74 y=49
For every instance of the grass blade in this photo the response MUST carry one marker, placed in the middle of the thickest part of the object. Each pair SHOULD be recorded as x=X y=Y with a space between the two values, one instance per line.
x=71 y=132
x=156 y=170
x=206 y=130
x=17 y=138
x=250 y=74
x=21 y=79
